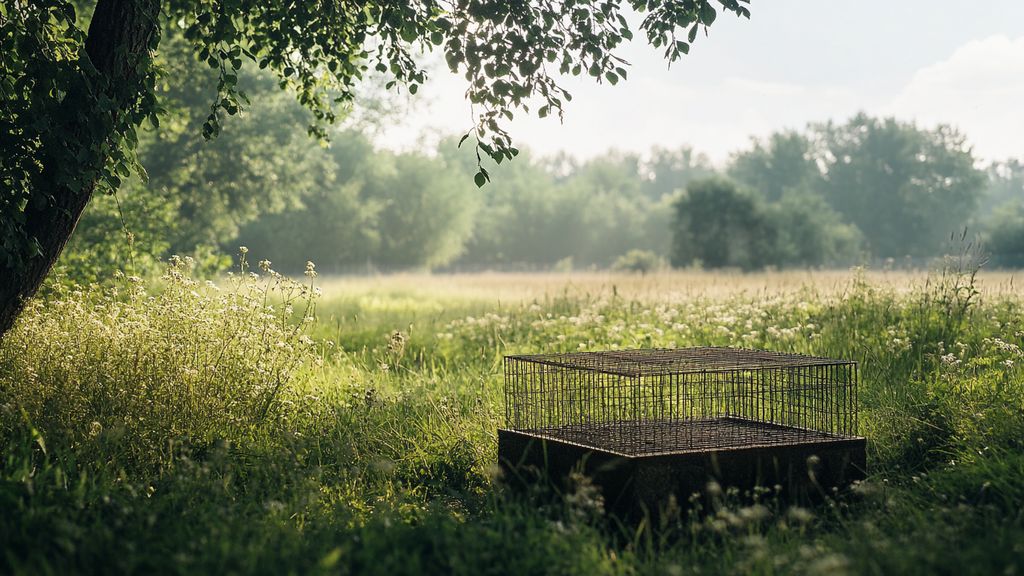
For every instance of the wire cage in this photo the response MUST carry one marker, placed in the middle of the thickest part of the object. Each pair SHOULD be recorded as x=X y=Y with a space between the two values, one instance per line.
x=671 y=401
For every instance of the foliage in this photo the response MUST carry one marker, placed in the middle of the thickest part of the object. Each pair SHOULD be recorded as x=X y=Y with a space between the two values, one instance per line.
x=427 y=213
x=1002 y=214
x=642 y=261
x=905 y=188
x=1006 y=239
x=667 y=171
x=889 y=187
x=618 y=207
x=377 y=209
x=785 y=162
x=525 y=218
x=1005 y=190
x=44 y=72
x=198 y=192
x=342 y=206
x=263 y=164
x=373 y=208
x=541 y=211
x=718 y=225
x=544 y=211
x=810 y=233
x=129 y=231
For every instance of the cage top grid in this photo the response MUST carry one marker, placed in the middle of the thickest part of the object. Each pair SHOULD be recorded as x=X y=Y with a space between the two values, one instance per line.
x=673 y=361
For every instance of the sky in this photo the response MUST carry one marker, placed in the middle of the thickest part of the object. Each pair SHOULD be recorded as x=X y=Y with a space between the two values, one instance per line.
x=792 y=63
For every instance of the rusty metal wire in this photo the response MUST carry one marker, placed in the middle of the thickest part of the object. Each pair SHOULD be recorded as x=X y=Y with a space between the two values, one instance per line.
x=639 y=402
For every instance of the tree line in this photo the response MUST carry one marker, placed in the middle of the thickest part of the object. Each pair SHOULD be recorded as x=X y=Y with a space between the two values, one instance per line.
x=833 y=194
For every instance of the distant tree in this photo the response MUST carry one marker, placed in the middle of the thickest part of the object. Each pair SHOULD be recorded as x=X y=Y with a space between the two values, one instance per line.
x=810 y=233
x=720 y=225
x=127 y=232
x=1001 y=215
x=1004 y=190
x=612 y=209
x=667 y=171
x=904 y=187
x=335 y=224
x=784 y=161
x=526 y=218
x=72 y=99
x=640 y=261
x=427 y=213
x=372 y=207
x=1006 y=241
x=538 y=212
x=664 y=174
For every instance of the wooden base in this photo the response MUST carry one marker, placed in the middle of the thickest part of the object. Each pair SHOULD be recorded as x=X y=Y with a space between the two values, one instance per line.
x=635 y=484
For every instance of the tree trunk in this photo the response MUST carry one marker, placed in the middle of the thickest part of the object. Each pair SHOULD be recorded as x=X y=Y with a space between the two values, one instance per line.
x=117 y=46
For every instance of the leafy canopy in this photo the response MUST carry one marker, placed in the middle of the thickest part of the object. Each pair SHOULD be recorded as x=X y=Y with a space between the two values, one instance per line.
x=510 y=52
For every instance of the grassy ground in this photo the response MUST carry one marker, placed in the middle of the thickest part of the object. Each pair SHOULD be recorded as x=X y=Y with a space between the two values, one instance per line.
x=192 y=429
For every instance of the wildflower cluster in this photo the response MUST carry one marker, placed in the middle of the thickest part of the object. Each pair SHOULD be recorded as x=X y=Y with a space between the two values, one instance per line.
x=783 y=321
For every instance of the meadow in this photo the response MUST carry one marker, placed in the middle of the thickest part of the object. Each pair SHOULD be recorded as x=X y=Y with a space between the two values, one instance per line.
x=261 y=424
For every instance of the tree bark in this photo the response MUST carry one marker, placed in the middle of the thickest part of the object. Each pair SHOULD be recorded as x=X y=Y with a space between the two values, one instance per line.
x=117 y=46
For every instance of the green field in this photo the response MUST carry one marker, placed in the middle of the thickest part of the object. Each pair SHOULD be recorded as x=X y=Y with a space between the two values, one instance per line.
x=187 y=428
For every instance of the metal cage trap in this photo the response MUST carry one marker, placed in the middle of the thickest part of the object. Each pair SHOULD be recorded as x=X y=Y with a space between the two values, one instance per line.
x=683 y=413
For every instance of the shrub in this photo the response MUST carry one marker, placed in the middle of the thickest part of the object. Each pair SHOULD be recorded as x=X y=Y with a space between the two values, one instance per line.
x=642 y=261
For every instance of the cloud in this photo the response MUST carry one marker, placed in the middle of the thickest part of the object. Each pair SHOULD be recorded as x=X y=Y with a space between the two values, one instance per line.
x=979 y=89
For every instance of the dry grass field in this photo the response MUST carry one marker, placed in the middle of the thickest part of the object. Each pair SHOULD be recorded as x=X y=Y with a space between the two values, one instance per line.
x=665 y=286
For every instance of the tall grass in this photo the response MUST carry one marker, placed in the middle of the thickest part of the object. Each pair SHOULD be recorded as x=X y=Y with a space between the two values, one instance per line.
x=128 y=375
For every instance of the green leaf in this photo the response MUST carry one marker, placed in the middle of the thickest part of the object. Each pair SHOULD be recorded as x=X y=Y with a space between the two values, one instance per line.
x=707 y=13
x=480 y=179
x=409 y=34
